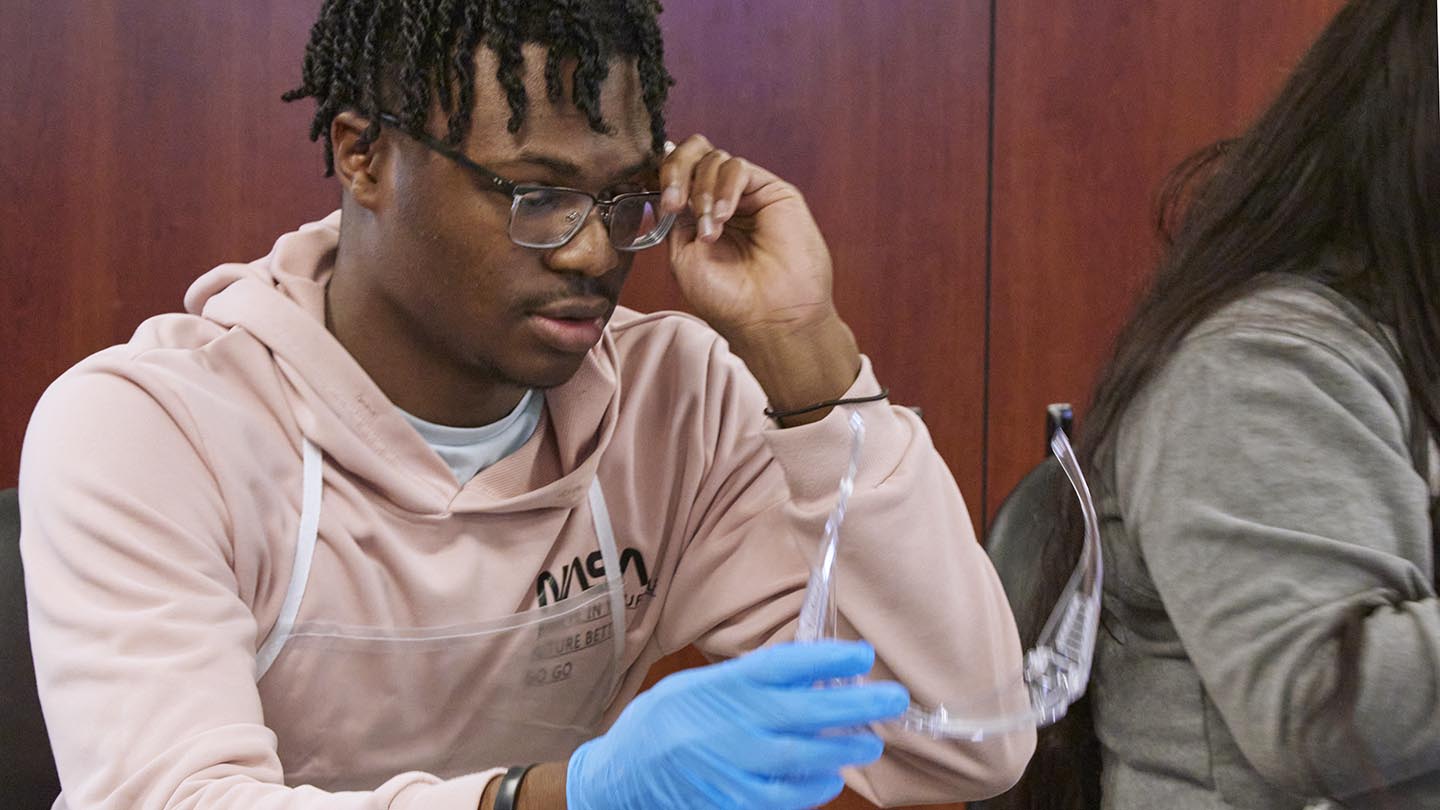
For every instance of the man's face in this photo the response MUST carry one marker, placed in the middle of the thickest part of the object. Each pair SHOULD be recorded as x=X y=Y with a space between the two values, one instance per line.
x=517 y=315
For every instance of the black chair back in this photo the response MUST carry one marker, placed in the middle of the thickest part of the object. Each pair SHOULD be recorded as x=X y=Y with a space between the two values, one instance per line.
x=1026 y=525
x=27 y=778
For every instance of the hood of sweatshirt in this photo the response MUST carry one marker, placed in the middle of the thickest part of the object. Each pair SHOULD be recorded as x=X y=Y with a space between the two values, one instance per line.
x=279 y=300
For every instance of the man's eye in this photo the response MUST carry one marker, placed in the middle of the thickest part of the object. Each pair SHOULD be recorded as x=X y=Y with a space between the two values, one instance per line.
x=540 y=201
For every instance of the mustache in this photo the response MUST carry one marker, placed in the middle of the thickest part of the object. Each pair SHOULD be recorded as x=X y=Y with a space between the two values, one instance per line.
x=576 y=287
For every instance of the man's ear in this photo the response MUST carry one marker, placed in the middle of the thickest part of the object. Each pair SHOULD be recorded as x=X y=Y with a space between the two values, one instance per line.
x=358 y=158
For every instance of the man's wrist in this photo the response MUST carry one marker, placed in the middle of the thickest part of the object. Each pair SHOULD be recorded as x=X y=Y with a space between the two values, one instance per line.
x=543 y=788
x=802 y=365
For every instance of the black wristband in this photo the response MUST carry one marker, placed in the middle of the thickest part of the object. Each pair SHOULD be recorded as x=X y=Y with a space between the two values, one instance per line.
x=774 y=414
x=510 y=787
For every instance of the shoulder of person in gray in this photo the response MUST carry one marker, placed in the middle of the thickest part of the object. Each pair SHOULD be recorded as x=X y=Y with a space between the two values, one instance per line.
x=1271 y=632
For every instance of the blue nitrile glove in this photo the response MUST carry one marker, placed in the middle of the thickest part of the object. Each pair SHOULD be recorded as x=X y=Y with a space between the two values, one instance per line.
x=754 y=733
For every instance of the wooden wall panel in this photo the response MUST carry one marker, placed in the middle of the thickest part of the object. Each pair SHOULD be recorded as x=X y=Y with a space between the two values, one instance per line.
x=878 y=112
x=144 y=143
x=1095 y=101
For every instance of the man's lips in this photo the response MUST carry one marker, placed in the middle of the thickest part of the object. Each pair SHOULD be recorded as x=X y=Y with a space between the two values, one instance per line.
x=575 y=309
x=572 y=326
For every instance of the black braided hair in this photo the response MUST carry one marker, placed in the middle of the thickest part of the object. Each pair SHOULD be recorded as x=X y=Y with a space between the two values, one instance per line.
x=406 y=55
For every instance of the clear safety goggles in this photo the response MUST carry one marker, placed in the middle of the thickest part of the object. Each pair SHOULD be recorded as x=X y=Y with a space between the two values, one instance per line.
x=1055 y=672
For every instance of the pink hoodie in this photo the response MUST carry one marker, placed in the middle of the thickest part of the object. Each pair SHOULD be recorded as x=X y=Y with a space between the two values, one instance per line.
x=161 y=488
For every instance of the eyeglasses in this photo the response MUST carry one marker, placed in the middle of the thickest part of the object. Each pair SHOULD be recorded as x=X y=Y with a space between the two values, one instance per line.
x=545 y=217
x=1055 y=671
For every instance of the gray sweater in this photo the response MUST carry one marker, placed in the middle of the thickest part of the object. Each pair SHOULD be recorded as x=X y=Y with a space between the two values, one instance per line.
x=1272 y=632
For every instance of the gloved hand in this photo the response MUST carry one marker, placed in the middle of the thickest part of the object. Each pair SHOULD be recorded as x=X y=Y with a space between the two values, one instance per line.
x=755 y=733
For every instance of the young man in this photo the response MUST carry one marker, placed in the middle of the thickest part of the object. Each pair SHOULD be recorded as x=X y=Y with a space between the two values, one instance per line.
x=410 y=501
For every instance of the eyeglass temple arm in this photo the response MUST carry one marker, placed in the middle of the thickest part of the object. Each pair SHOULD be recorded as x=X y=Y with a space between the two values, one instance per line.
x=491 y=179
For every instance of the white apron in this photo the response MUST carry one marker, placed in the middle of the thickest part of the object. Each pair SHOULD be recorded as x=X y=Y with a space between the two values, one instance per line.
x=549 y=674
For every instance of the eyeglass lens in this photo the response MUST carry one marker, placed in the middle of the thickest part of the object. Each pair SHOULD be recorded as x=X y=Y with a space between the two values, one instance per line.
x=550 y=217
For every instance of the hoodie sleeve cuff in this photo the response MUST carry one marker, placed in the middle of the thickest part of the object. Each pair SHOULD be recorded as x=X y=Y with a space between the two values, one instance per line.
x=814 y=456
x=460 y=793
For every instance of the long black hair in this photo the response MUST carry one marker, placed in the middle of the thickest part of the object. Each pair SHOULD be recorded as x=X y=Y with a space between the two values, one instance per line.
x=1339 y=181
x=403 y=54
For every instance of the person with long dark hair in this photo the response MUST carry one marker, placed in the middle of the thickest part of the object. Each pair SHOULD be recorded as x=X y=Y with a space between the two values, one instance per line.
x=1261 y=444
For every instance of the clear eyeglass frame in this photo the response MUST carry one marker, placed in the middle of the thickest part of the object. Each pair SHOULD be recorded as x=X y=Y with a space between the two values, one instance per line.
x=1055 y=671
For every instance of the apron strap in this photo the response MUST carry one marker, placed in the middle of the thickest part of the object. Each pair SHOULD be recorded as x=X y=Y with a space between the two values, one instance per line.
x=600 y=515
x=300 y=571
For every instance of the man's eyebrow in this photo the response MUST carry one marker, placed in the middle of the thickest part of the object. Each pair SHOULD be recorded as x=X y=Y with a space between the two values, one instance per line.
x=558 y=165
x=570 y=171
x=650 y=165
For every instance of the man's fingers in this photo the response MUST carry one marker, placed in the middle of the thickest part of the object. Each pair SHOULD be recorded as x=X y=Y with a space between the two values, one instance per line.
x=678 y=170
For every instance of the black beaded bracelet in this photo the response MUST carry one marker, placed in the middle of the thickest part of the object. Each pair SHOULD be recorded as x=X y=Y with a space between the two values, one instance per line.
x=510 y=787
x=774 y=414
